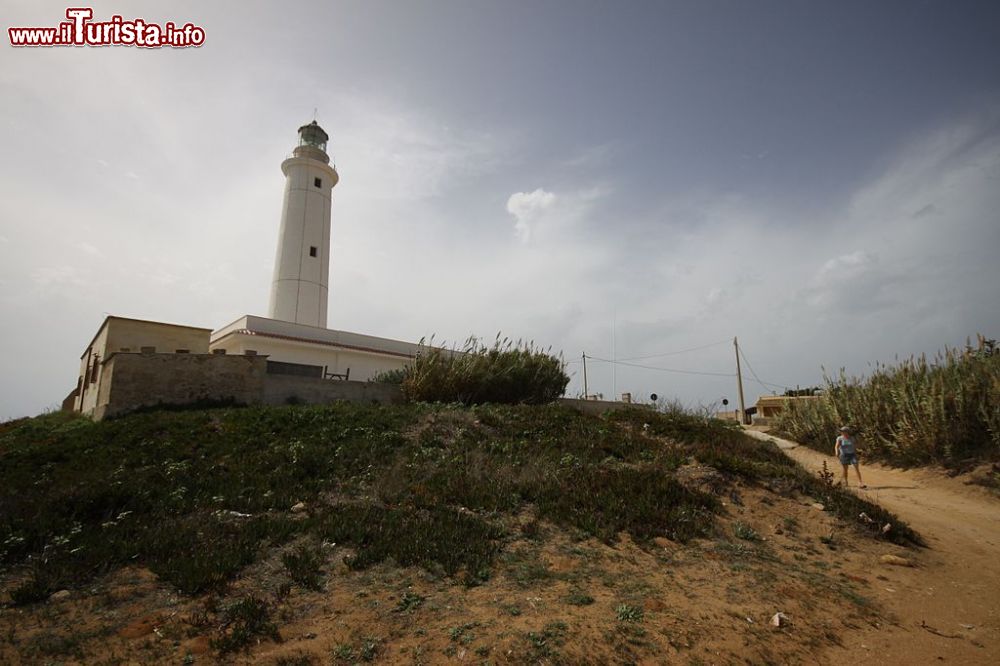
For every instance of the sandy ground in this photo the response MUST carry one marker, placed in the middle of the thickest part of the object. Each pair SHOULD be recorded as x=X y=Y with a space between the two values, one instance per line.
x=947 y=609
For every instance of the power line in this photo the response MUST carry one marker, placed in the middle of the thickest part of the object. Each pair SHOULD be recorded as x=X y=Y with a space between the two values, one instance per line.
x=674 y=353
x=758 y=379
x=649 y=367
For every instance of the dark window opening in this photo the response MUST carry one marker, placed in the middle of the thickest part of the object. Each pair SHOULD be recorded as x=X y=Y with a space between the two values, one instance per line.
x=318 y=182
x=312 y=250
x=183 y=351
x=296 y=369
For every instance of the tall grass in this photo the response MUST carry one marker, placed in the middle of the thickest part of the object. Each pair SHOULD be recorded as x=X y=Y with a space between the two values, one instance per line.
x=507 y=372
x=945 y=410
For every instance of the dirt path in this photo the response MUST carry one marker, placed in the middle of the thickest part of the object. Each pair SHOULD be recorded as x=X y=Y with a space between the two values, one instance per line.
x=947 y=609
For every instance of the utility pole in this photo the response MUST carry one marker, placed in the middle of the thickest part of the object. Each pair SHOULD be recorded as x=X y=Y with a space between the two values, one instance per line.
x=585 y=392
x=739 y=383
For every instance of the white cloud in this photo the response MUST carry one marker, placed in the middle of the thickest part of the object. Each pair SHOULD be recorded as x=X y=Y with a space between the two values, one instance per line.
x=89 y=248
x=527 y=208
x=398 y=154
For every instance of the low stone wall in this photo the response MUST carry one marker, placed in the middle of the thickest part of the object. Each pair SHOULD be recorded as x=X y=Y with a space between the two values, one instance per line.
x=290 y=389
x=133 y=381
x=598 y=407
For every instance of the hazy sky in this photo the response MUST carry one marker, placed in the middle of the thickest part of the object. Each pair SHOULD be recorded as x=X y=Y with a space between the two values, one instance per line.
x=821 y=179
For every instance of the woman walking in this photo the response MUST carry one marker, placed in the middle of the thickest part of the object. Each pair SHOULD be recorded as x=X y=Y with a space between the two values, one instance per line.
x=846 y=450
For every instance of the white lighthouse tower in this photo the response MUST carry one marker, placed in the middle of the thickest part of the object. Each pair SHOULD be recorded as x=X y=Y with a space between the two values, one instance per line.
x=305 y=359
x=300 y=289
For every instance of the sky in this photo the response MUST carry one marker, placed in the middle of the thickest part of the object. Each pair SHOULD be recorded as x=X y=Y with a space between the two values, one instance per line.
x=622 y=179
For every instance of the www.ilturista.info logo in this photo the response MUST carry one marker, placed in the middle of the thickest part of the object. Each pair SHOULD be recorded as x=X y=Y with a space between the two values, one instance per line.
x=79 y=30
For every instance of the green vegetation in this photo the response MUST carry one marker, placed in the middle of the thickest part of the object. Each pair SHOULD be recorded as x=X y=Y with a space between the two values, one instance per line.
x=366 y=651
x=243 y=622
x=304 y=566
x=409 y=601
x=508 y=372
x=579 y=598
x=628 y=613
x=390 y=376
x=942 y=411
x=196 y=496
x=722 y=445
x=545 y=643
x=745 y=532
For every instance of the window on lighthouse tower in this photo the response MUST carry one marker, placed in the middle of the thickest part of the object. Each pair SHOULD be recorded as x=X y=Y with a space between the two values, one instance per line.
x=318 y=182
x=312 y=250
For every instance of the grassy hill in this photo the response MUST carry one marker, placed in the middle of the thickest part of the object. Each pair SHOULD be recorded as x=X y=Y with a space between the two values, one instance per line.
x=203 y=501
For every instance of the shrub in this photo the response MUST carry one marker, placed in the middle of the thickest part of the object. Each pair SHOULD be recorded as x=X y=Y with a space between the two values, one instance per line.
x=305 y=567
x=508 y=372
x=439 y=538
x=390 y=376
x=919 y=411
x=243 y=622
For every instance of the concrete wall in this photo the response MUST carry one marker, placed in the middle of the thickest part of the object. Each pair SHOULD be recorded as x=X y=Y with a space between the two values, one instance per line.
x=285 y=389
x=363 y=365
x=597 y=407
x=133 y=334
x=132 y=381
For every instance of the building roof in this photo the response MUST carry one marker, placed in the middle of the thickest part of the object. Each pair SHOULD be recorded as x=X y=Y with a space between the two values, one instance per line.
x=340 y=345
x=284 y=330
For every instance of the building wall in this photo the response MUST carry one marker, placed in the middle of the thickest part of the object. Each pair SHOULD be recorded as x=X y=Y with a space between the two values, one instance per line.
x=131 y=335
x=363 y=365
x=598 y=407
x=131 y=381
x=286 y=389
x=770 y=406
x=118 y=334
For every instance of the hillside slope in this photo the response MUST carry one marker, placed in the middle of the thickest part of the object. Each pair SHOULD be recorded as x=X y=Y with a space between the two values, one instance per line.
x=419 y=533
x=947 y=608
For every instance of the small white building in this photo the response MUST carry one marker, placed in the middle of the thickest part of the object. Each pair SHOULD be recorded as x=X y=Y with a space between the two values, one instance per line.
x=297 y=349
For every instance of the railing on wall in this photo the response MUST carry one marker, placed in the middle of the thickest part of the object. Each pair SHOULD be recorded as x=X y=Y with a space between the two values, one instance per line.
x=345 y=376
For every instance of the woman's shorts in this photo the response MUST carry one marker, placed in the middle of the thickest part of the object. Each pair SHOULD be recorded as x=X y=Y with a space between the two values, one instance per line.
x=848 y=458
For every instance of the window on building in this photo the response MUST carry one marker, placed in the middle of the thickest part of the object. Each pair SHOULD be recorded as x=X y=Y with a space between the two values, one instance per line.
x=93 y=370
x=312 y=250
x=318 y=182
x=182 y=351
